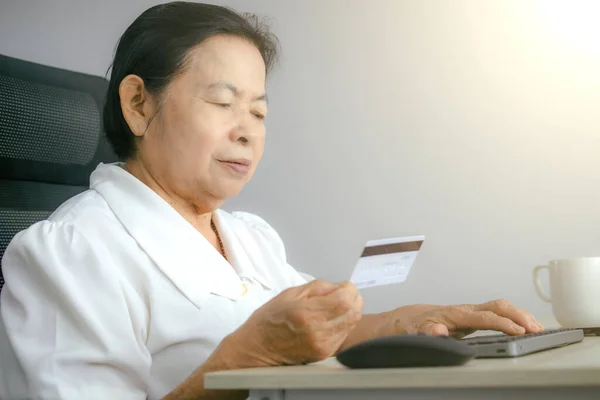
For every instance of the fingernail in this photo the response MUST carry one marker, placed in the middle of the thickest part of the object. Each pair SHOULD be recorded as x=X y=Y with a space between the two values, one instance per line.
x=540 y=326
x=533 y=324
x=518 y=328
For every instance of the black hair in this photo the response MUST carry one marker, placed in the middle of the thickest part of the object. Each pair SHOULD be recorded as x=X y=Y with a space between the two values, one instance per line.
x=155 y=48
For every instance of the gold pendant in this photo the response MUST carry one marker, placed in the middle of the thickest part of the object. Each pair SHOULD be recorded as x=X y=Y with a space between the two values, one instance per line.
x=245 y=290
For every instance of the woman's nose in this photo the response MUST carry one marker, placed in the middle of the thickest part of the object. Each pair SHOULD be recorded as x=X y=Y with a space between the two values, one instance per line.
x=243 y=130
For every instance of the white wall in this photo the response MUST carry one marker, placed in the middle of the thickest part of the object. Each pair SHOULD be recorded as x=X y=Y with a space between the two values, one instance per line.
x=472 y=122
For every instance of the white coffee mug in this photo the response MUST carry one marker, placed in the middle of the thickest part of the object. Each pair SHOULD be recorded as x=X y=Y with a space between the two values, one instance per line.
x=574 y=291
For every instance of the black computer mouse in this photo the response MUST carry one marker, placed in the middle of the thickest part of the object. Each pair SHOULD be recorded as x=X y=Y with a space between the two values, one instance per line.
x=403 y=351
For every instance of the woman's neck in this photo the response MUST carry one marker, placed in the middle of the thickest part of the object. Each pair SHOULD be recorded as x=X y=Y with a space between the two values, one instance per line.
x=199 y=218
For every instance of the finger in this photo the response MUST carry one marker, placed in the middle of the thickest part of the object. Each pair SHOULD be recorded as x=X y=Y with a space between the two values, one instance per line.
x=336 y=333
x=340 y=301
x=318 y=288
x=434 y=329
x=506 y=309
x=347 y=298
x=486 y=320
x=337 y=316
x=341 y=324
x=343 y=300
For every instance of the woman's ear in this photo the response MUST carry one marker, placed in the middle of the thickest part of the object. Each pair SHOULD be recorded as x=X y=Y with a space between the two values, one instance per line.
x=136 y=104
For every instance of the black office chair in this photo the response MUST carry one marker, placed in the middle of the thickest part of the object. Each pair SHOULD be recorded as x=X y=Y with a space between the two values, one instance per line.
x=51 y=139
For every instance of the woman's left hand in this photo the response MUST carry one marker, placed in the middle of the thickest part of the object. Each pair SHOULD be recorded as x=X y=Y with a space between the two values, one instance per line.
x=461 y=320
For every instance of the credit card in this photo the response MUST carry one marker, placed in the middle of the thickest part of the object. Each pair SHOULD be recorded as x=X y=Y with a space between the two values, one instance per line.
x=386 y=261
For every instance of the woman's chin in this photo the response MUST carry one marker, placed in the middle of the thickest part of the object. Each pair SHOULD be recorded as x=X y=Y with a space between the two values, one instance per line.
x=225 y=192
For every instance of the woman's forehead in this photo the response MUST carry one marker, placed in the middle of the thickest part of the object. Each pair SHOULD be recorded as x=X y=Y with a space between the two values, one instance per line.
x=226 y=59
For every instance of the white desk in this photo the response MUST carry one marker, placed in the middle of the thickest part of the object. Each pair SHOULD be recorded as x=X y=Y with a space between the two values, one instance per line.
x=571 y=372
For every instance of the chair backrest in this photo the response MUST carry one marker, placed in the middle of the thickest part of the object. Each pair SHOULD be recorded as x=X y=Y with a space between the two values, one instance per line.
x=51 y=139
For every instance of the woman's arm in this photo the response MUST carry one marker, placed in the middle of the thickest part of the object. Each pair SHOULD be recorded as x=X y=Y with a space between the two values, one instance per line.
x=371 y=326
x=300 y=325
x=394 y=322
x=69 y=328
x=225 y=357
x=459 y=320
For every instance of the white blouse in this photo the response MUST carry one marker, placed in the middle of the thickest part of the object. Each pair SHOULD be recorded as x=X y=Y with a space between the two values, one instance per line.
x=116 y=296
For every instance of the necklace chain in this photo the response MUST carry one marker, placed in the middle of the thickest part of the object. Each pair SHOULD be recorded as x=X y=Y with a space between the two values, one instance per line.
x=214 y=228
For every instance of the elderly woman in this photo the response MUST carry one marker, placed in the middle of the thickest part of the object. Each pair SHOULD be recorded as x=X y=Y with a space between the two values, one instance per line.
x=137 y=287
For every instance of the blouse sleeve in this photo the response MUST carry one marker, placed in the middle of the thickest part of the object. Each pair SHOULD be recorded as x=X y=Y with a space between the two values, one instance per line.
x=70 y=327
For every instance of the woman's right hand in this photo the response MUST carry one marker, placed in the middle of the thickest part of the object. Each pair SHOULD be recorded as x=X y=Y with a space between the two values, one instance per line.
x=302 y=324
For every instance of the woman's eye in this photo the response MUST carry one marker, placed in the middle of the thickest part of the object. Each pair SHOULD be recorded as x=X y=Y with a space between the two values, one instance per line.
x=259 y=116
x=223 y=105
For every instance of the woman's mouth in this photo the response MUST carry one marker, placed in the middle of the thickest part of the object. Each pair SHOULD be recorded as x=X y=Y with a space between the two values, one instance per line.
x=240 y=166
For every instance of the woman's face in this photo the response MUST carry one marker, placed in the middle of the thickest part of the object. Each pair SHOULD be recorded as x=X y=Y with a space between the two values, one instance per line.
x=208 y=136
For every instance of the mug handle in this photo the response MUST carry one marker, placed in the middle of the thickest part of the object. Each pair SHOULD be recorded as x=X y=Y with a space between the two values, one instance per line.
x=537 y=282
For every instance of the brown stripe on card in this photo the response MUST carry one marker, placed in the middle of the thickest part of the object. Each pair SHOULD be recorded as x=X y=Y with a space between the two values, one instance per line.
x=391 y=248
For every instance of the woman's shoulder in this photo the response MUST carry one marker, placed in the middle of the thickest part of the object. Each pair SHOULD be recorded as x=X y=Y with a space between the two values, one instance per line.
x=249 y=219
x=263 y=232
x=80 y=208
x=254 y=231
x=252 y=222
x=75 y=216
x=77 y=237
